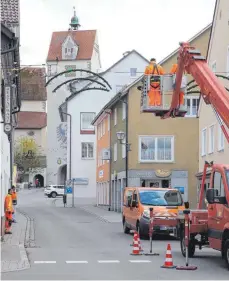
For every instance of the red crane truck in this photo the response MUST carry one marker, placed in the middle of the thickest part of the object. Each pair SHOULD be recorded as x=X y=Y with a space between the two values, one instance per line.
x=207 y=227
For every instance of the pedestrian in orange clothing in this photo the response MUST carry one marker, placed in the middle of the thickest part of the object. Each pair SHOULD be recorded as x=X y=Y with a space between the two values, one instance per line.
x=173 y=71
x=8 y=212
x=14 y=201
x=155 y=93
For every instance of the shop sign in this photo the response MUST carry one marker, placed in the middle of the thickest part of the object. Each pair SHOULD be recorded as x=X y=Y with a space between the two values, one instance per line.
x=163 y=173
x=7 y=110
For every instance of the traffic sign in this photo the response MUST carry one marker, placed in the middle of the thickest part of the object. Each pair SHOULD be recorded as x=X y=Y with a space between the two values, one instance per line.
x=7 y=128
x=68 y=189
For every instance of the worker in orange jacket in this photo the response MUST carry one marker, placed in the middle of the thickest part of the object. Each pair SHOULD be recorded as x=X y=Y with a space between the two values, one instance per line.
x=173 y=71
x=8 y=206
x=14 y=201
x=155 y=93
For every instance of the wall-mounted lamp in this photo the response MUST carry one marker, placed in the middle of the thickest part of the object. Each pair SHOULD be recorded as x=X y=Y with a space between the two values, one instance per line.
x=121 y=136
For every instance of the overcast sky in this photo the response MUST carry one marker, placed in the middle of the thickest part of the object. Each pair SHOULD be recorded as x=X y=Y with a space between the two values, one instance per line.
x=152 y=27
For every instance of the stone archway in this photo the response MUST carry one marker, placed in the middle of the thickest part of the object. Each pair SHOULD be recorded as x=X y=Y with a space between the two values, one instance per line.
x=62 y=175
x=40 y=179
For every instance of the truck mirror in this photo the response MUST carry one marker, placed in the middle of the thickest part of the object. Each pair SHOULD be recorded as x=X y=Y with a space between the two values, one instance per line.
x=186 y=205
x=210 y=195
x=129 y=202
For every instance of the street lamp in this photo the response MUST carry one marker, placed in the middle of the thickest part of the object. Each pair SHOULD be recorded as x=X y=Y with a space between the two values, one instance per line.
x=121 y=136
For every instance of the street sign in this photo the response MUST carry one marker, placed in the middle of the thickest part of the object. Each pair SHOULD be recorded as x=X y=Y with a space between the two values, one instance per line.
x=68 y=189
x=80 y=181
x=7 y=110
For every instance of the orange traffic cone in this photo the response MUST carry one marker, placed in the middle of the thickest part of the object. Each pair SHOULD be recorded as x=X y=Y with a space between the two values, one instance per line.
x=168 y=258
x=135 y=234
x=139 y=244
x=136 y=250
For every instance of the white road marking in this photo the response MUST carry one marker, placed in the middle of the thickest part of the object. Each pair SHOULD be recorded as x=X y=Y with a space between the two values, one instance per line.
x=109 y=261
x=139 y=261
x=40 y=262
x=76 y=261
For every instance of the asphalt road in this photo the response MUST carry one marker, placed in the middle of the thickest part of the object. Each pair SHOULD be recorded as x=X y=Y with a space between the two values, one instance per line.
x=72 y=244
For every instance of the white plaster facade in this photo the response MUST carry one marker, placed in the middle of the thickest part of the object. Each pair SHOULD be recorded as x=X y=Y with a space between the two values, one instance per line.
x=117 y=76
x=57 y=130
x=213 y=145
x=4 y=166
x=36 y=106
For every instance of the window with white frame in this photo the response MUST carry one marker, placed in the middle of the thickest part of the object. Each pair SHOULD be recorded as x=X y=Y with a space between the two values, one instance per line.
x=104 y=127
x=86 y=119
x=87 y=150
x=133 y=72
x=98 y=131
x=123 y=110
x=192 y=106
x=211 y=139
x=220 y=139
x=214 y=66
x=115 y=116
x=124 y=148
x=227 y=61
x=115 y=152
x=156 y=148
x=203 y=141
x=108 y=122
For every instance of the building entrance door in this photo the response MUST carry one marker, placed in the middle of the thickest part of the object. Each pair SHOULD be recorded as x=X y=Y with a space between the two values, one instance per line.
x=157 y=183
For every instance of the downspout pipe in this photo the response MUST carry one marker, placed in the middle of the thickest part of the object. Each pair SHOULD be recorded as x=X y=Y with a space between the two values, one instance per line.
x=127 y=139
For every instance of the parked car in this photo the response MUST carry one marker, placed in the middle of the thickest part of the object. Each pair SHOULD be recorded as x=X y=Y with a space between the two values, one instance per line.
x=54 y=191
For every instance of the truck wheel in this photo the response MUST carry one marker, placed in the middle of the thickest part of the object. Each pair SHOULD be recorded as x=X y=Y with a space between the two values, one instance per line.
x=191 y=246
x=125 y=227
x=226 y=253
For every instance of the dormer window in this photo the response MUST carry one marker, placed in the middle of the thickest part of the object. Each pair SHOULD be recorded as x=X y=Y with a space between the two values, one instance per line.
x=69 y=49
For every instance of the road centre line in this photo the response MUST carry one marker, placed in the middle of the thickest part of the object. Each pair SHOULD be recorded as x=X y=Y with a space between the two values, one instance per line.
x=77 y=262
x=41 y=262
x=109 y=261
x=139 y=261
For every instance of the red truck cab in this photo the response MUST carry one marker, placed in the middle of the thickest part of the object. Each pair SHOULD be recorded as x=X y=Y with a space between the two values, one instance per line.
x=218 y=210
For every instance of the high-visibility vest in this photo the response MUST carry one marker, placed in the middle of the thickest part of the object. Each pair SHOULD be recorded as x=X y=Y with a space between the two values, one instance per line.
x=14 y=197
x=8 y=203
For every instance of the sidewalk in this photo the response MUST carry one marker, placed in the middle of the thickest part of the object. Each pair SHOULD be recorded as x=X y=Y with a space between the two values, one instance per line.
x=91 y=208
x=101 y=212
x=13 y=254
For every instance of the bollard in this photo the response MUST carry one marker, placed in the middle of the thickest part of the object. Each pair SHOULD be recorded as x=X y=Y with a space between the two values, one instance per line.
x=187 y=239
x=65 y=199
x=151 y=235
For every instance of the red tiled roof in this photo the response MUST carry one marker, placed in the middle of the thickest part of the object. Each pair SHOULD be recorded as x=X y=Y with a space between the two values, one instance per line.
x=10 y=11
x=83 y=38
x=31 y=120
x=33 y=84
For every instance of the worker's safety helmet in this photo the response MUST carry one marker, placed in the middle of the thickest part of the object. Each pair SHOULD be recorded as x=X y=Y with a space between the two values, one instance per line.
x=153 y=60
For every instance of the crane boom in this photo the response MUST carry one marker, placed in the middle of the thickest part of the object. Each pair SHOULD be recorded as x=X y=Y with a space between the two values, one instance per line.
x=212 y=91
